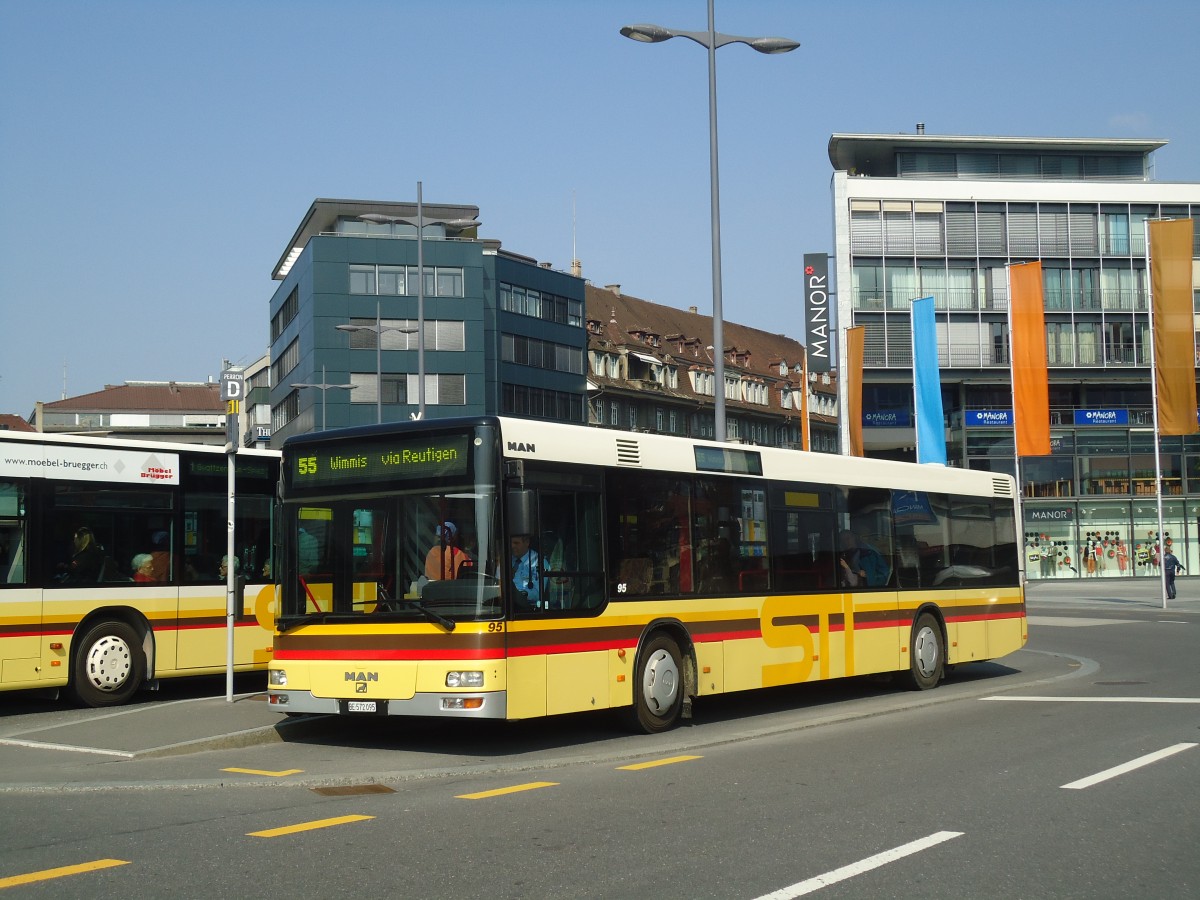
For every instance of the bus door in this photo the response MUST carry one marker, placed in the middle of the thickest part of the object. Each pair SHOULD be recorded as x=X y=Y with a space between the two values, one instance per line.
x=555 y=584
x=20 y=601
x=198 y=560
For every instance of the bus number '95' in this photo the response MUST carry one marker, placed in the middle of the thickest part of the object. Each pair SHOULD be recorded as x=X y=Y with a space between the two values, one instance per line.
x=306 y=465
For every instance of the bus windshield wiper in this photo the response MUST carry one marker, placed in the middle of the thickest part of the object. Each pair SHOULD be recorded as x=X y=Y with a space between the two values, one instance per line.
x=385 y=598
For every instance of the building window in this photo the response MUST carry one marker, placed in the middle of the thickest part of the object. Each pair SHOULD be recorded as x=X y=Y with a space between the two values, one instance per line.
x=285 y=362
x=284 y=315
x=284 y=411
x=440 y=281
x=440 y=390
x=528 y=351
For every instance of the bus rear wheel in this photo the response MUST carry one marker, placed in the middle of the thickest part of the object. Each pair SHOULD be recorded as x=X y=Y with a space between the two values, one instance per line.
x=657 y=687
x=109 y=665
x=926 y=654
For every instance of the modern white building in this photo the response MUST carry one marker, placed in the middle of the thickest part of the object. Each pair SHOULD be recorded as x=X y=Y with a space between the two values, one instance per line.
x=920 y=215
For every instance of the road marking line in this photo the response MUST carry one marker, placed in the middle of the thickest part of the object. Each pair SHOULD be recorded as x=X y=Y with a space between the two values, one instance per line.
x=1096 y=699
x=531 y=786
x=42 y=745
x=264 y=772
x=1075 y=621
x=658 y=762
x=61 y=872
x=858 y=868
x=308 y=826
x=1127 y=767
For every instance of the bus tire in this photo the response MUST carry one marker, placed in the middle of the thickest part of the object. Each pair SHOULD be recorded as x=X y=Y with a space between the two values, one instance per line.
x=109 y=664
x=658 y=687
x=926 y=654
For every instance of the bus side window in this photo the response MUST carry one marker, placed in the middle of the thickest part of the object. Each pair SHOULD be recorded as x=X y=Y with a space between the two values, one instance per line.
x=12 y=533
x=570 y=547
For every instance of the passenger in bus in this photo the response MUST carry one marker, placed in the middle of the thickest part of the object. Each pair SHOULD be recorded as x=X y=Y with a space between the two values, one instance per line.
x=527 y=571
x=860 y=564
x=446 y=557
x=223 y=568
x=87 y=561
x=143 y=568
x=161 y=556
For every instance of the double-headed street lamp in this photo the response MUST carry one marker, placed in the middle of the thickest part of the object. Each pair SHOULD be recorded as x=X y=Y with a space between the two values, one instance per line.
x=323 y=388
x=420 y=223
x=379 y=329
x=711 y=40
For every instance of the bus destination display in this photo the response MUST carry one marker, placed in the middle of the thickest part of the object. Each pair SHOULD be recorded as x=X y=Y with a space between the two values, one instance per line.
x=386 y=461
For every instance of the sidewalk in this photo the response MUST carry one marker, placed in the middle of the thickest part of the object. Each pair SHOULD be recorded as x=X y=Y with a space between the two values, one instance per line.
x=1137 y=593
x=150 y=730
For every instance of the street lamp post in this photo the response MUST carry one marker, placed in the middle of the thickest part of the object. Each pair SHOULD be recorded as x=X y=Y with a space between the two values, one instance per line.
x=712 y=40
x=380 y=329
x=323 y=387
x=420 y=222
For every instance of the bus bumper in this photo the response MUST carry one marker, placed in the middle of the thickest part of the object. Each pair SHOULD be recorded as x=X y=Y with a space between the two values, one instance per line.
x=479 y=705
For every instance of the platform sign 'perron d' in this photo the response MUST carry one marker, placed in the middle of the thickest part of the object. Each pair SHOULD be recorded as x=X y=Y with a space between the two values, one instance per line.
x=817 y=325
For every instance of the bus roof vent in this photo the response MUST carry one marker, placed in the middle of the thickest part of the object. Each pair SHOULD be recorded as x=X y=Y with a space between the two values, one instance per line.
x=1002 y=487
x=628 y=453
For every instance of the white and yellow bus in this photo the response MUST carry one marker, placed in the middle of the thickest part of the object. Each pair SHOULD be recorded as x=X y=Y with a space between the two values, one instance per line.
x=110 y=563
x=608 y=569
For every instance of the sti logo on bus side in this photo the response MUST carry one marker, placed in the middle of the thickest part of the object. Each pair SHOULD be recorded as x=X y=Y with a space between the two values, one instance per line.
x=519 y=447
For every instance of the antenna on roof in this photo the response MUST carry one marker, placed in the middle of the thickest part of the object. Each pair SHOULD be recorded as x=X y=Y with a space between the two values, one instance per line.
x=576 y=266
x=64 y=393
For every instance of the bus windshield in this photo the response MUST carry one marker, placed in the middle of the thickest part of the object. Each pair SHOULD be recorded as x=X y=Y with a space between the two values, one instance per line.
x=362 y=542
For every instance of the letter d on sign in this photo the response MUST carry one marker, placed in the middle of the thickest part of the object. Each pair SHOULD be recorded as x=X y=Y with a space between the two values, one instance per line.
x=232 y=385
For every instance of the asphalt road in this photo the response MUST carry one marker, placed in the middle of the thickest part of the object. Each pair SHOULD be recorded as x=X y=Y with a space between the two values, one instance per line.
x=1069 y=769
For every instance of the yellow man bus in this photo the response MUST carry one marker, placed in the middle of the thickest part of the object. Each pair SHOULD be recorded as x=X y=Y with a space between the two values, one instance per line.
x=111 y=558
x=598 y=569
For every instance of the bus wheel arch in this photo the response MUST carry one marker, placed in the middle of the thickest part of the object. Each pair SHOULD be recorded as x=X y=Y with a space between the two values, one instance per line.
x=664 y=679
x=112 y=656
x=926 y=649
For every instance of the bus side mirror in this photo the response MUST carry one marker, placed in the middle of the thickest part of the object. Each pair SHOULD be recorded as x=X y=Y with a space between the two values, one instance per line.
x=521 y=507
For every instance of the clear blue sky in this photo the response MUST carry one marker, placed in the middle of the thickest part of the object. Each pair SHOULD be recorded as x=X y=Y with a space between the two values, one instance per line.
x=155 y=157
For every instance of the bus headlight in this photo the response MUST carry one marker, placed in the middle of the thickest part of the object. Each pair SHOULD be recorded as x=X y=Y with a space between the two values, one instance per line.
x=464 y=679
x=276 y=677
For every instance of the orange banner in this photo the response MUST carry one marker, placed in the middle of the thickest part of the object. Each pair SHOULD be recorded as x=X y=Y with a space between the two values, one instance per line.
x=853 y=387
x=1174 y=325
x=804 y=424
x=1031 y=385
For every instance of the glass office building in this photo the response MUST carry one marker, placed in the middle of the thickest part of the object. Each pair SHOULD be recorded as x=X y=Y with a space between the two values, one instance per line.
x=920 y=215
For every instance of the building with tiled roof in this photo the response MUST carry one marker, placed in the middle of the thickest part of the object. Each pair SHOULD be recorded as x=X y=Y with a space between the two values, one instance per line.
x=9 y=422
x=651 y=368
x=168 y=410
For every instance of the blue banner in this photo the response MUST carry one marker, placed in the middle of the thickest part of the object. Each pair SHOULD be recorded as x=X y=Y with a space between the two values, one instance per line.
x=983 y=418
x=927 y=385
x=1101 y=417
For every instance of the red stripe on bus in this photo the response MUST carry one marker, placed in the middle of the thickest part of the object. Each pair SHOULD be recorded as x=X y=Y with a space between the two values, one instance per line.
x=399 y=655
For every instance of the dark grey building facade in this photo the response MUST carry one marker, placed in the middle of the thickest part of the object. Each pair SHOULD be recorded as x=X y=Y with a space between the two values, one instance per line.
x=502 y=334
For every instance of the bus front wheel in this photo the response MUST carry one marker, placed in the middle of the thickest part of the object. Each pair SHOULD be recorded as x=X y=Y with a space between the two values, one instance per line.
x=109 y=665
x=657 y=687
x=926 y=654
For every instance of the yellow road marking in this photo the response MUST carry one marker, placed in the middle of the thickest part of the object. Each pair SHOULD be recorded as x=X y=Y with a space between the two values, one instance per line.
x=658 y=762
x=61 y=872
x=265 y=772
x=531 y=786
x=307 y=826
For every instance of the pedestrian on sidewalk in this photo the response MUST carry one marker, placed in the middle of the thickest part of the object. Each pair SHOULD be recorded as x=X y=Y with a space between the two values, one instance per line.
x=1170 y=567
